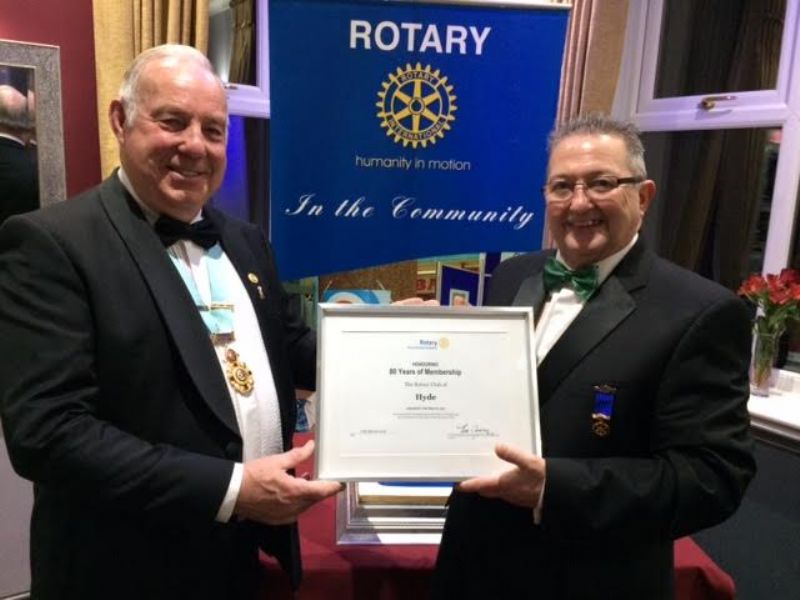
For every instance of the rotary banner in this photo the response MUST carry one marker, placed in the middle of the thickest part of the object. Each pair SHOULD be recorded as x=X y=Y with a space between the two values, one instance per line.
x=403 y=129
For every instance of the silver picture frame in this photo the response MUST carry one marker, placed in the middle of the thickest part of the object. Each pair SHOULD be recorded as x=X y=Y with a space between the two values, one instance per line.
x=403 y=520
x=43 y=62
x=422 y=394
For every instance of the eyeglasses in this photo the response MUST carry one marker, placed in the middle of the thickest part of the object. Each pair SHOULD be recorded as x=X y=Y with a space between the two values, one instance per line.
x=598 y=188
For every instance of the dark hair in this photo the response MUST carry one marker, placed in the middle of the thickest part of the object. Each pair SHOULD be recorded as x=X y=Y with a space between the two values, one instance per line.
x=597 y=123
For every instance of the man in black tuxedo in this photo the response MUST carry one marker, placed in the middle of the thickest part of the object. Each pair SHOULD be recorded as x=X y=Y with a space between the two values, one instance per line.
x=19 y=183
x=643 y=395
x=149 y=367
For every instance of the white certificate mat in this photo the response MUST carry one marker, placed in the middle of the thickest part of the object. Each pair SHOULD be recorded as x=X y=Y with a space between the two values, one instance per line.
x=423 y=393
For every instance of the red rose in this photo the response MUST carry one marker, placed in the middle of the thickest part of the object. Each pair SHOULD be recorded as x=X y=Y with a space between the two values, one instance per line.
x=790 y=276
x=779 y=296
x=752 y=286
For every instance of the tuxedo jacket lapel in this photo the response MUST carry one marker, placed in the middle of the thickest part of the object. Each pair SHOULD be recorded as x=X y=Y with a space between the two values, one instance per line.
x=172 y=298
x=531 y=293
x=610 y=306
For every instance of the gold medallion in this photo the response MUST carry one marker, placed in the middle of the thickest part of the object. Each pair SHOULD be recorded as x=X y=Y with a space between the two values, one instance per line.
x=601 y=425
x=239 y=374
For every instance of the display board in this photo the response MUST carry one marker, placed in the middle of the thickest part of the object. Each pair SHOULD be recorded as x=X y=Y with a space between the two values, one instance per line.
x=408 y=129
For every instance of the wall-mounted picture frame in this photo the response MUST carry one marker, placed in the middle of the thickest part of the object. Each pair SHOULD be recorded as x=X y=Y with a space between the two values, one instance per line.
x=37 y=68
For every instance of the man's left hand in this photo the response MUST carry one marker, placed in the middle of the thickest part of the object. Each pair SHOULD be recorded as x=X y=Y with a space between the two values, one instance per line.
x=521 y=485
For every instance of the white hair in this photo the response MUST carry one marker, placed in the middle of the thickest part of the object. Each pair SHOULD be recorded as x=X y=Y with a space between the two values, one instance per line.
x=15 y=115
x=129 y=89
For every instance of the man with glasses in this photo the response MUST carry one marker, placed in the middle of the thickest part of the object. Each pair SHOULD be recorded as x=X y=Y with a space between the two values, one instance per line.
x=642 y=375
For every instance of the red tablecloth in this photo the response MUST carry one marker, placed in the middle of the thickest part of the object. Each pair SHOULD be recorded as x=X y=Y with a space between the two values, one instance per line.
x=358 y=572
x=697 y=576
x=395 y=572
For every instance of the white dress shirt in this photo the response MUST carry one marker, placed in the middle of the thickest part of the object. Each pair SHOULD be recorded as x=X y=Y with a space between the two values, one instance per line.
x=258 y=413
x=558 y=313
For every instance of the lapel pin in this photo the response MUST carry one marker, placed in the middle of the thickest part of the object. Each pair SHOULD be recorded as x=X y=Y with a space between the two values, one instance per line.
x=604 y=397
x=253 y=278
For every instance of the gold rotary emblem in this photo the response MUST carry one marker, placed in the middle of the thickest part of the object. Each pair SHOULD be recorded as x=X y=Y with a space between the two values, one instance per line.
x=416 y=105
x=444 y=343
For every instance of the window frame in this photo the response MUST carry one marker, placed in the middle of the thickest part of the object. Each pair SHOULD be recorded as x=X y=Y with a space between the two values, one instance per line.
x=779 y=108
x=254 y=100
x=748 y=108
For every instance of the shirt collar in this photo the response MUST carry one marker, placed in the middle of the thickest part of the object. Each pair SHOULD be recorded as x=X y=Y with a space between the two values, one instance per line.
x=609 y=263
x=13 y=138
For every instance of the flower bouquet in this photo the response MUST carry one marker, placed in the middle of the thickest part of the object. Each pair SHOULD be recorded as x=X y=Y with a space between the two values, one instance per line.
x=777 y=298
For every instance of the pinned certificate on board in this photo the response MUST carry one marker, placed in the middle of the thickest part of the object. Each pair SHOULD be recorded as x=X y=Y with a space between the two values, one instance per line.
x=423 y=393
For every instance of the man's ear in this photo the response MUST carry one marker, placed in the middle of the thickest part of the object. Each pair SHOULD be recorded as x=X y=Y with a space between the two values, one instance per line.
x=647 y=191
x=116 y=117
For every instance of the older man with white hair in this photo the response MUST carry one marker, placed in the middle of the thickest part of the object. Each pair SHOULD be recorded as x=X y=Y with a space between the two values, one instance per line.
x=19 y=183
x=150 y=361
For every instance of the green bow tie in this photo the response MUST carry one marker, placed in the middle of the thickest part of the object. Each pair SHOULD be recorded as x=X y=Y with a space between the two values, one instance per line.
x=557 y=275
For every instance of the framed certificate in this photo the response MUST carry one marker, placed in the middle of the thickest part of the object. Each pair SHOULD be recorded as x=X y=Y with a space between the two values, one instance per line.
x=423 y=393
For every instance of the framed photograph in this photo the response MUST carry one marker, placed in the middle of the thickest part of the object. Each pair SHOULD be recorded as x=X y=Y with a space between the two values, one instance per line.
x=423 y=394
x=458 y=287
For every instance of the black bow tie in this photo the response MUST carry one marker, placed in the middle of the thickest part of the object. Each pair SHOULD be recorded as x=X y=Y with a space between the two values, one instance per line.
x=203 y=233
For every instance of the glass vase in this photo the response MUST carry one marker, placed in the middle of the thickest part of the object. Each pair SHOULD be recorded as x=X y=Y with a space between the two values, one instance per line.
x=762 y=366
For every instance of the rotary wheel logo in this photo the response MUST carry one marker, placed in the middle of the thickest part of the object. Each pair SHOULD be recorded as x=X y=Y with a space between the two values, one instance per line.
x=416 y=105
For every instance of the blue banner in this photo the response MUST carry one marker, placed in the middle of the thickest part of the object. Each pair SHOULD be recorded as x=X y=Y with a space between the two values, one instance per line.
x=407 y=129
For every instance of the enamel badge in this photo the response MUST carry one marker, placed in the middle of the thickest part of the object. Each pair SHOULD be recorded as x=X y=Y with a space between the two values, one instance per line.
x=604 y=397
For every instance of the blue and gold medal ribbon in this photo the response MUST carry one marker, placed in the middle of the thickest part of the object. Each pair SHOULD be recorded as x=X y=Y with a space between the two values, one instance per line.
x=218 y=315
x=604 y=397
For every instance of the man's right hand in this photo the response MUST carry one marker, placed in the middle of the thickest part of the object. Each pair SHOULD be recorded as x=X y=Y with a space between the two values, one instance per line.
x=270 y=495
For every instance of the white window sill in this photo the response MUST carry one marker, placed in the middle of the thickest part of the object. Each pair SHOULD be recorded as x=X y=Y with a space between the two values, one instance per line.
x=779 y=413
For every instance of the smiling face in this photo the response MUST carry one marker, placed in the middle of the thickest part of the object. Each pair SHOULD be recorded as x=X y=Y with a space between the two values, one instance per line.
x=173 y=151
x=587 y=231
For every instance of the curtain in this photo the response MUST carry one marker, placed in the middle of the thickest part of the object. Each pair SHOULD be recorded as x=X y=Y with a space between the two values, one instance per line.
x=710 y=226
x=744 y=162
x=123 y=29
x=243 y=53
x=592 y=56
